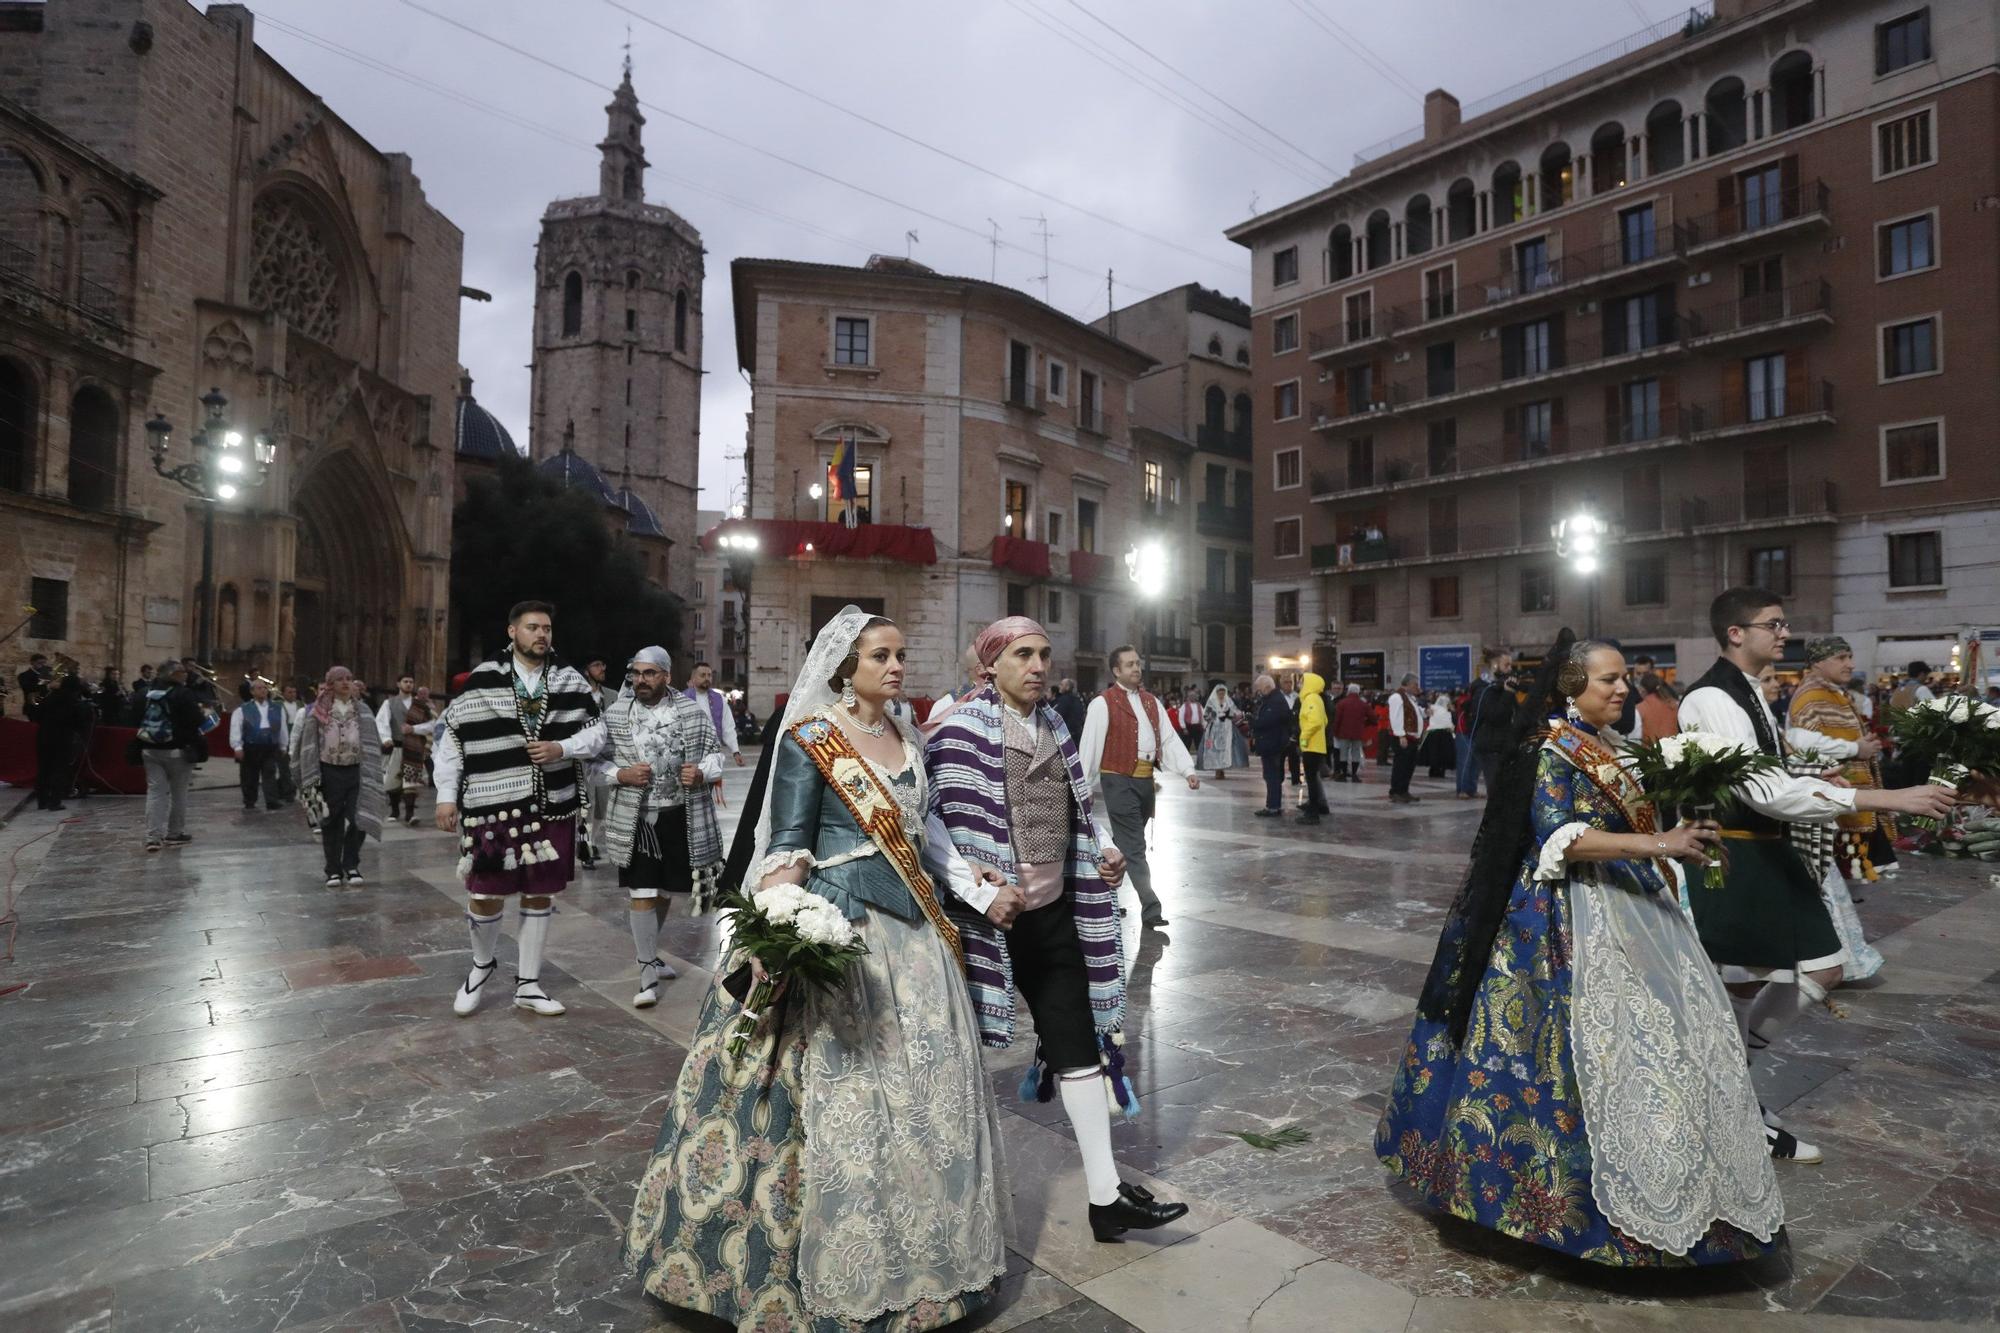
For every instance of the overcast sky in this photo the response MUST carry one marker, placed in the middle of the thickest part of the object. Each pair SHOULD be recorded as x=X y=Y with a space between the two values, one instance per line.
x=1019 y=89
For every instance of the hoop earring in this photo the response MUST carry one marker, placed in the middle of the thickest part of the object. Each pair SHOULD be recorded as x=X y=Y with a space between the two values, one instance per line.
x=847 y=699
x=1569 y=711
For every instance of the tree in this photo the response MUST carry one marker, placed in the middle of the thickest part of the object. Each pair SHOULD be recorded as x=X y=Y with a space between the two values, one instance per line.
x=518 y=535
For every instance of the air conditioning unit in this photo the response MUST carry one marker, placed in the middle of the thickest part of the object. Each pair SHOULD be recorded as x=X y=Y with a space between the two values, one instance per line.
x=1401 y=357
x=1587 y=308
x=1487 y=335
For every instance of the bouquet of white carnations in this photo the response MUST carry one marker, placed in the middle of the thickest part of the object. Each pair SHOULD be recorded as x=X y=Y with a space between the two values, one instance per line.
x=1697 y=773
x=1954 y=735
x=794 y=933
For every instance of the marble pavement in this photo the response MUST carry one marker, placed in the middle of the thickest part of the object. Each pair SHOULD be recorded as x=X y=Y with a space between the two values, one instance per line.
x=234 y=1099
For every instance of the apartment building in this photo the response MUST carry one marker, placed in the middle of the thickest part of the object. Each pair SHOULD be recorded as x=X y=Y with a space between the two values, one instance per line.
x=992 y=467
x=1196 y=402
x=1727 y=286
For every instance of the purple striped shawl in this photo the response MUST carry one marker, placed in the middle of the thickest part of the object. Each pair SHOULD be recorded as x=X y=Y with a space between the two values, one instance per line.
x=966 y=760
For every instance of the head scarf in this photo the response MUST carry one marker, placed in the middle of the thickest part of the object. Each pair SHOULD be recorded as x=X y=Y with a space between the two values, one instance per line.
x=1827 y=645
x=323 y=702
x=655 y=656
x=993 y=640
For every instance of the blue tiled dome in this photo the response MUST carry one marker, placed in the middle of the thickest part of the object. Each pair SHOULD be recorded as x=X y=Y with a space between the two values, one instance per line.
x=645 y=523
x=574 y=471
x=479 y=434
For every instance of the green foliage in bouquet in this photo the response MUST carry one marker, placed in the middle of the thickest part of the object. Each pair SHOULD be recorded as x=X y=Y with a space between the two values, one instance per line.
x=1953 y=735
x=1697 y=774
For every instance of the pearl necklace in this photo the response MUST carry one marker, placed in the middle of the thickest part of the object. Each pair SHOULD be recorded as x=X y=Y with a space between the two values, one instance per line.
x=873 y=729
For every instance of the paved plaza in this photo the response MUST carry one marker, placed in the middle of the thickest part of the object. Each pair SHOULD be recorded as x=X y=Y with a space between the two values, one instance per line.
x=236 y=1100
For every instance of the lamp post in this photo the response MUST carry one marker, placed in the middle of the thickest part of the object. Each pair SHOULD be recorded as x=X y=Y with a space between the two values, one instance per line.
x=219 y=471
x=1582 y=539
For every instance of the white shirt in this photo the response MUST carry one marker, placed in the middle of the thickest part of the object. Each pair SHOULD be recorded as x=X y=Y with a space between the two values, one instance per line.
x=1399 y=724
x=603 y=767
x=446 y=758
x=728 y=733
x=1166 y=753
x=283 y=721
x=1778 y=795
x=1440 y=716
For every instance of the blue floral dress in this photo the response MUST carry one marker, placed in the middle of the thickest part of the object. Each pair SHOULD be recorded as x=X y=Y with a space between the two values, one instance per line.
x=1497 y=1131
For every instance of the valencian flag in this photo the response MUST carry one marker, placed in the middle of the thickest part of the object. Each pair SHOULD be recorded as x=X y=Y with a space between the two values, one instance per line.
x=840 y=472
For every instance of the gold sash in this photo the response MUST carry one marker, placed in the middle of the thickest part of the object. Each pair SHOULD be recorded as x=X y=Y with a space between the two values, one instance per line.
x=876 y=813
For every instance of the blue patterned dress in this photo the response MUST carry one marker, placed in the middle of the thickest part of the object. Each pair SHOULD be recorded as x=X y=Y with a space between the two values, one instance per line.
x=1495 y=1132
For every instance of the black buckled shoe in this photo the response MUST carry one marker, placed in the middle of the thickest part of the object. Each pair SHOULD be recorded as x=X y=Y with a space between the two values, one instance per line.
x=1136 y=1210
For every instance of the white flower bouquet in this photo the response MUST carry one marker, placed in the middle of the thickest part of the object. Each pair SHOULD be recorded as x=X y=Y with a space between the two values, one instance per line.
x=1697 y=774
x=794 y=933
x=1954 y=735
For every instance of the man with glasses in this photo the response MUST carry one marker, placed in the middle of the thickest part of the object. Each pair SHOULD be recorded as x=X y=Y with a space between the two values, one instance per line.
x=1769 y=927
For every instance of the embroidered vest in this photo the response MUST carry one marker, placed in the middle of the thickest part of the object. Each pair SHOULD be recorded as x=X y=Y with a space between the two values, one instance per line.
x=1121 y=736
x=260 y=723
x=1038 y=799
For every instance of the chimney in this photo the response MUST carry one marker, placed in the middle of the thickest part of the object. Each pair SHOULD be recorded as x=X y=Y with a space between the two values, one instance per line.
x=1440 y=114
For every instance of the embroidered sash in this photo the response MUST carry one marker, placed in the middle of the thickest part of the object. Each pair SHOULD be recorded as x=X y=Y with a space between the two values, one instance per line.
x=876 y=813
x=1592 y=758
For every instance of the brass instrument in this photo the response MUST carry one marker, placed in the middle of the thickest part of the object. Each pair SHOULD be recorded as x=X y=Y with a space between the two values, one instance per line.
x=65 y=666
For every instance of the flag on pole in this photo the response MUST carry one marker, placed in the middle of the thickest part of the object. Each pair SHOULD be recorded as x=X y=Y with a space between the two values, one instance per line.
x=840 y=471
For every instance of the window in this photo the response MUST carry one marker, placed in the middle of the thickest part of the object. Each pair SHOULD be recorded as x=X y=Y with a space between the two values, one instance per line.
x=1287 y=538
x=1287 y=469
x=1153 y=481
x=1285 y=333
x=1089 y=402
x=1054 y=599
x=1361 y=604
x=1214 y=647
x=1360 y=313
x=1764 y=382
x=699 y=627
x=1531 y=265
x=1440 y=300
x=1215 y=565
x=1361 y=461
x=1054 y=529
x=1017 y=599
x=1086 y=623
x=1014 y=518
x=1058 y=381
x=1285 y=400
x=1444 y=597
x=1086 y=526
x=1903 y=144
x=1767 y=482
x=1635 y=323
x=1639 y=411
x=1538 y=429
x=1903 y=42
x=50 y=598
x=1538 y=589
x=1910 y=348
x=1913 y=452
x=1020 y=374
x=631 y=320
x=1637 y=235
x=572 y=307
x=1287 y=609
x=1440 y=368
x=1646 y=580
x=1442 y=524
x=681 y=320
x=1536 y=507
x=1441 y=447
x=1527 y=349
x=861 y=505
x=1916 y=560
x=1761 y=283
x=1908 y=246
x=1285 y=266
x=1641 y=486
x=1243 y=566
x=1762 y=193
x=1769 y=567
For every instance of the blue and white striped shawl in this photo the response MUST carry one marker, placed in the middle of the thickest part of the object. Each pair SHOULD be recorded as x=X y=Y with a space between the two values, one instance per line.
x=967 y=763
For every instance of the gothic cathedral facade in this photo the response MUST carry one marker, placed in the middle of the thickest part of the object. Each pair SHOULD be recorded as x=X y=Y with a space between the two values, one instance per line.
x=617 y=356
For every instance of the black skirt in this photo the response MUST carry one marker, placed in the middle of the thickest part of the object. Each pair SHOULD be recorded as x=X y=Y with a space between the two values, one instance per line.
x=1767 y=914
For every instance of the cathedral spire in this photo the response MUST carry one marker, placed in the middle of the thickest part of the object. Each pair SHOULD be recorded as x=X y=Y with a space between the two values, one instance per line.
x=622 y=174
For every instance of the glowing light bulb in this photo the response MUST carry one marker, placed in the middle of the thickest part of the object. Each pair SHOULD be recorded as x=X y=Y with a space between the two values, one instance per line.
x=226 y=491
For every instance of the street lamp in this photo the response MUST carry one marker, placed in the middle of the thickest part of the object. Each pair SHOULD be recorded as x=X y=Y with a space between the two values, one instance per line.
x=220 y=471
x=1146 y=566
x=1582 y=539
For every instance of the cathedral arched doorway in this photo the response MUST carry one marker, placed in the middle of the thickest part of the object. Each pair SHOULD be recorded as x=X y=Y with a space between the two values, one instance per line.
x=348 y=573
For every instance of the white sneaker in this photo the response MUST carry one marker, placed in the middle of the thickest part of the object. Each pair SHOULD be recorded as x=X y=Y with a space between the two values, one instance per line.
x=1785 y=1148
x=529 y=995
x=650 y=976
x=333 y=881
x=354 y=877
x=467 y=998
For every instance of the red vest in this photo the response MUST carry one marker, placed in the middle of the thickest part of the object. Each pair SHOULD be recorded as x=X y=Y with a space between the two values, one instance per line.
x=1121 y=736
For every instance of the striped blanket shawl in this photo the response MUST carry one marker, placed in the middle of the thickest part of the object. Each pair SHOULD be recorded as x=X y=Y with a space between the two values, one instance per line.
x=629 y=812
x=498 y=774
x=967 y=763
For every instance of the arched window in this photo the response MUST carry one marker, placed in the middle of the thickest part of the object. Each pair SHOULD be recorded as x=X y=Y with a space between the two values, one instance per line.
x=631 y=183
x=104 y=257
x=228 y=612
x=681 y=320
x=1461 y=210
x=1509 y=203
x=1417 y=225
x=297 y=267
x=572 y=305
x=1340 y=249
x=1215 y=408
x=631 y=279
x=93 y=448
x=1666 y=138
x=1607 y=159
x=1791 y=91
x=17 y=427
x=21 y=211
x=1558 y=176
x=1728 y=120
x=1377 y=242
x=1241 y=412
x=1215 y=344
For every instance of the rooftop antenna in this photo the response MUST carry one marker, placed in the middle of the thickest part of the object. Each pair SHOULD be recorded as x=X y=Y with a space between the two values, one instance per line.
x=1110 y=303
x=909 y=244
x=1041 y=222
x=1253 y=203
x=628 y=53
x=993 y=270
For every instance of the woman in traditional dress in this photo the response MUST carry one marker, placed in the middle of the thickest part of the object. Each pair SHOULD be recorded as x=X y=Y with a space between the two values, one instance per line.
x=843 y=1173
x=1438 y=751
x=1222 y=743
x=1575 y=1077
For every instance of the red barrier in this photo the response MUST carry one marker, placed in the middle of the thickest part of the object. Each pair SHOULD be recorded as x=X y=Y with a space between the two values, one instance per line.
x=104 y=768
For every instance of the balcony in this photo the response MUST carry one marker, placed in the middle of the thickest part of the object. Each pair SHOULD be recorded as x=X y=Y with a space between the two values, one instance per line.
x=1222 y=520
x=1385 y=400
x=1775 y=505
x=1373 y=329
x=1161 y=645
x=1160 y=513
x=1213 y=438
x=1220 y=604
x=1347 y=555
x=1560 y=278
x=1023 y=395
x=1811 y=405
x=1798 y=306
x=1803 y=207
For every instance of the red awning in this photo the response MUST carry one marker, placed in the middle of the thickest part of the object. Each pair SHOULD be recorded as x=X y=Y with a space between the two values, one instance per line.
x=793 y=539
x=1084 y=567
x=1021 y=556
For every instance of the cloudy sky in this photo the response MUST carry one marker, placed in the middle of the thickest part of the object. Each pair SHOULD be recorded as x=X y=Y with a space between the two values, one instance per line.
x=1139 y=129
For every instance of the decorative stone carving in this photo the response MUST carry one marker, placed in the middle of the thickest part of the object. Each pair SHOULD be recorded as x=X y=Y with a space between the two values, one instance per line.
x=227 y=345
x=293 y=270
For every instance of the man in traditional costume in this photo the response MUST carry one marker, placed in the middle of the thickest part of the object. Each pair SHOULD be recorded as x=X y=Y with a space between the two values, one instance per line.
x=507 y=776
x=1009 y=796
x=1771 y=926
x=1823 y=718
x=701 y=689
x=389 y=720
x=1127 y=734
x=659 y=829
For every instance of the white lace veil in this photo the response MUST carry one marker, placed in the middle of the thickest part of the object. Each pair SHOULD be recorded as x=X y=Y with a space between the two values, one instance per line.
x=812 y=691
